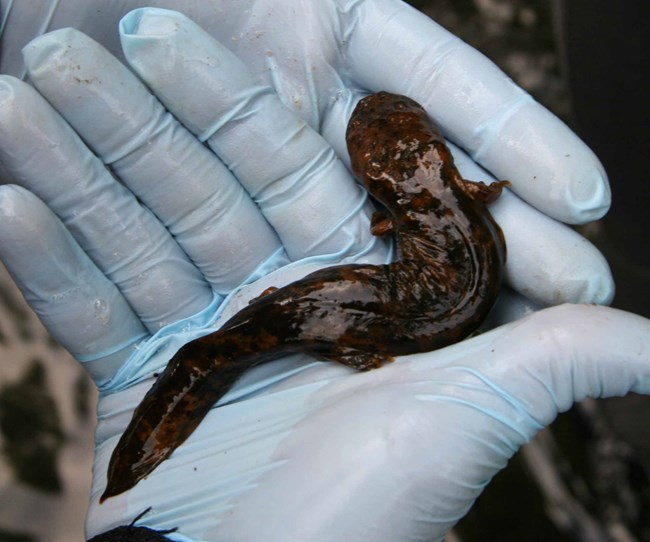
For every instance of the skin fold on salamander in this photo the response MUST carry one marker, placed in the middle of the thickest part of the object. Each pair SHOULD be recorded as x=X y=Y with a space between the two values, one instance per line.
x=446 y=278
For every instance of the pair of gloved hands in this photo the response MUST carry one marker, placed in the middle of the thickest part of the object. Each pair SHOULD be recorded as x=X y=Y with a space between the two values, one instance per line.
x=129 y=237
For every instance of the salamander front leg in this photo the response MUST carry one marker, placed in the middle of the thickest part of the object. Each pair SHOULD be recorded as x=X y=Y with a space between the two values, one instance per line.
x=381 y=224
x=485 y=193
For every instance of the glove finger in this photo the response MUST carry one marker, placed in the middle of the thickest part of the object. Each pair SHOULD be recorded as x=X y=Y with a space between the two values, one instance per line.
x=548 y=262
x=509 y=306
x=395 y=48
x=580 y=351
x=182 y=182
x=125 y=240
x=79 y=306
x=291 y=172
x=468 y=407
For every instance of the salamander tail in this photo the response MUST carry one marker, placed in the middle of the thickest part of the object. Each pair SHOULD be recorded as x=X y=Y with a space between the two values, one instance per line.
x=170 y=411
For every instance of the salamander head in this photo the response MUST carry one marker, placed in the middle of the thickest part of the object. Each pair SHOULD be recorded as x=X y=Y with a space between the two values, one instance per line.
x=379 y=124
x=395 y=149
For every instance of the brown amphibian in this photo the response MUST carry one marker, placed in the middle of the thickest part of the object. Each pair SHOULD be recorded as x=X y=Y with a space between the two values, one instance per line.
x=445 y=280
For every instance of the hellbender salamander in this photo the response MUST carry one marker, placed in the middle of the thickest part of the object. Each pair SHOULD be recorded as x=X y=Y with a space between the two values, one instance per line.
x=446 y=278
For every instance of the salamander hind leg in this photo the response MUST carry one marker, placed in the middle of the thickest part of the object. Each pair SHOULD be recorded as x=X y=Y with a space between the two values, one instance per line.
x=266 y=292
x=358 y=359
x=485 y=193
x=381 y=224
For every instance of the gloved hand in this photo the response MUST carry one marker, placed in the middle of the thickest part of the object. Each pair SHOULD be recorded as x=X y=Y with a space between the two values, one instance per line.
x=298 y=450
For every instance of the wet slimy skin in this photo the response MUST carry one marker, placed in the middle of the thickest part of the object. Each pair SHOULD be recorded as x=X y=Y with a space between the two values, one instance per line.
x=446 y=278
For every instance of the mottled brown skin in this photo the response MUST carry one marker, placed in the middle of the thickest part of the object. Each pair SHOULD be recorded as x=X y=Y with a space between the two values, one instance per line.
x=446 y=279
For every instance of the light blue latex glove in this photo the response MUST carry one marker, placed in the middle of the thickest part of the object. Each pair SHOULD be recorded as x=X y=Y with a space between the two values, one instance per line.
x=298 y=450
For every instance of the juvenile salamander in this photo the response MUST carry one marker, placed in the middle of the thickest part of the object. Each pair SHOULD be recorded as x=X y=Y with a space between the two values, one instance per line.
x=445 y=280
